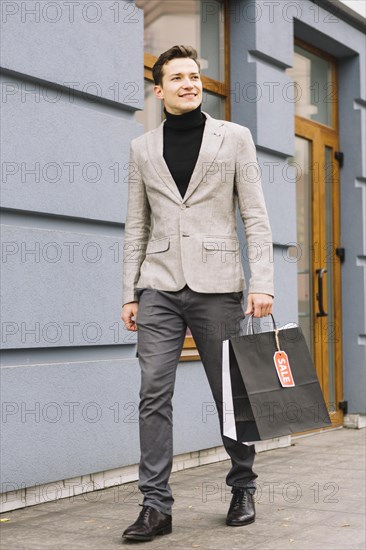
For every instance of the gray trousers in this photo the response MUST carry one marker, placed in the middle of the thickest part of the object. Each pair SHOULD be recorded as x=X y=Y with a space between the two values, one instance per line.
x=162 y=320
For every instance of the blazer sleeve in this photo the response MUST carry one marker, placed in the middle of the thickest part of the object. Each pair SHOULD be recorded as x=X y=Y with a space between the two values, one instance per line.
x=137 y=228
x=253 y=211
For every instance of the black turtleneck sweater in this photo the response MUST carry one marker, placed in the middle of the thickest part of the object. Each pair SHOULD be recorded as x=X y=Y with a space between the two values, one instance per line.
x=182 y=143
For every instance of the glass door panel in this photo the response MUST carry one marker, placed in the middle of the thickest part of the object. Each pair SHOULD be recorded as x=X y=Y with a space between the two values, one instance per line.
x=302 y=163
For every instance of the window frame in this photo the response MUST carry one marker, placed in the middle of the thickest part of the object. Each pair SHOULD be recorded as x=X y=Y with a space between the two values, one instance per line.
x=334 y=82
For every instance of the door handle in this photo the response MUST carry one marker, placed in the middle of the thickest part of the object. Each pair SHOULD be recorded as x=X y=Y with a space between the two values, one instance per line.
x=320 y=295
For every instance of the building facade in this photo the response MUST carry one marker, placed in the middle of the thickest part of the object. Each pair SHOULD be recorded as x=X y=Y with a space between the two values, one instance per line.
x=76 y=88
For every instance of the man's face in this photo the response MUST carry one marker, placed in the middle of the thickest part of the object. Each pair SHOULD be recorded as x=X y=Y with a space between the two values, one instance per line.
x=181 y=89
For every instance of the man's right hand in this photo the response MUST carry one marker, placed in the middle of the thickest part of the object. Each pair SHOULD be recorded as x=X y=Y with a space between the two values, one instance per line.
x=129 y=310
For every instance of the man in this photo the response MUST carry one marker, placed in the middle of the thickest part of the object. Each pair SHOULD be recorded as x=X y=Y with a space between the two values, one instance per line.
x=182 y=267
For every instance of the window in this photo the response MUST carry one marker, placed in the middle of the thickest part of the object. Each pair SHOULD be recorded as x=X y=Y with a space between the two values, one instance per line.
x=201 y=24
x=314 y=78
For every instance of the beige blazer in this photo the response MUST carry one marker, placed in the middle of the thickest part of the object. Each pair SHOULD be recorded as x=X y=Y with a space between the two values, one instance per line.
x=170 y=241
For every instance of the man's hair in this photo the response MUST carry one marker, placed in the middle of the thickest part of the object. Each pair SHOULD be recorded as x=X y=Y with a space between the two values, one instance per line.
x=172 y=53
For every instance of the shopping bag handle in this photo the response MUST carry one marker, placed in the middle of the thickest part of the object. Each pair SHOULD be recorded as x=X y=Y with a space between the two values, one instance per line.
x=250 y=323
x=276 y=330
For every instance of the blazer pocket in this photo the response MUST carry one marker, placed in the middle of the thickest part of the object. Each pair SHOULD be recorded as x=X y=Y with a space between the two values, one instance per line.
x=158 y=245
x=216 y=243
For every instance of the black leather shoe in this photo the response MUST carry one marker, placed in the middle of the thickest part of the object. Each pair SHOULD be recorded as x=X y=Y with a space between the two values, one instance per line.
x=149 y=523
x=242 y=509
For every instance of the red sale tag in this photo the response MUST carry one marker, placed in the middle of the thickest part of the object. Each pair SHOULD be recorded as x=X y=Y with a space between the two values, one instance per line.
x=283 y=369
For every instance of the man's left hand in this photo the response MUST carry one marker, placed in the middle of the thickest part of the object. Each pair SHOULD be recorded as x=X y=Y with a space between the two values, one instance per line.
x=259 y=305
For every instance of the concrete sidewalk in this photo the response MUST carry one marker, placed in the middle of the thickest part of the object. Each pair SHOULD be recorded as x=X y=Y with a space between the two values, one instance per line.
x=310 y=496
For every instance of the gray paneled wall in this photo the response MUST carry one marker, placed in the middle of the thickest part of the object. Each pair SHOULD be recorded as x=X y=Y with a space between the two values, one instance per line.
x=67 y=156
x=62 y=288
x=92 y=47
x=72 y=78
x=68 y=419
x=352 y=116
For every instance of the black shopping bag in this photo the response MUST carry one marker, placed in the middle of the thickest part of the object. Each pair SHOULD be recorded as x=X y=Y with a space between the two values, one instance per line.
x=270 y=386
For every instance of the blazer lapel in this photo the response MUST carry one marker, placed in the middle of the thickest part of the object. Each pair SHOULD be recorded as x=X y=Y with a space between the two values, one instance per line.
x=211 y=141
x=155 y=145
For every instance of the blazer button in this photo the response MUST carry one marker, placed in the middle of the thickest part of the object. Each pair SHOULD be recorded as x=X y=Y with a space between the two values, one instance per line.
x=183 y=206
